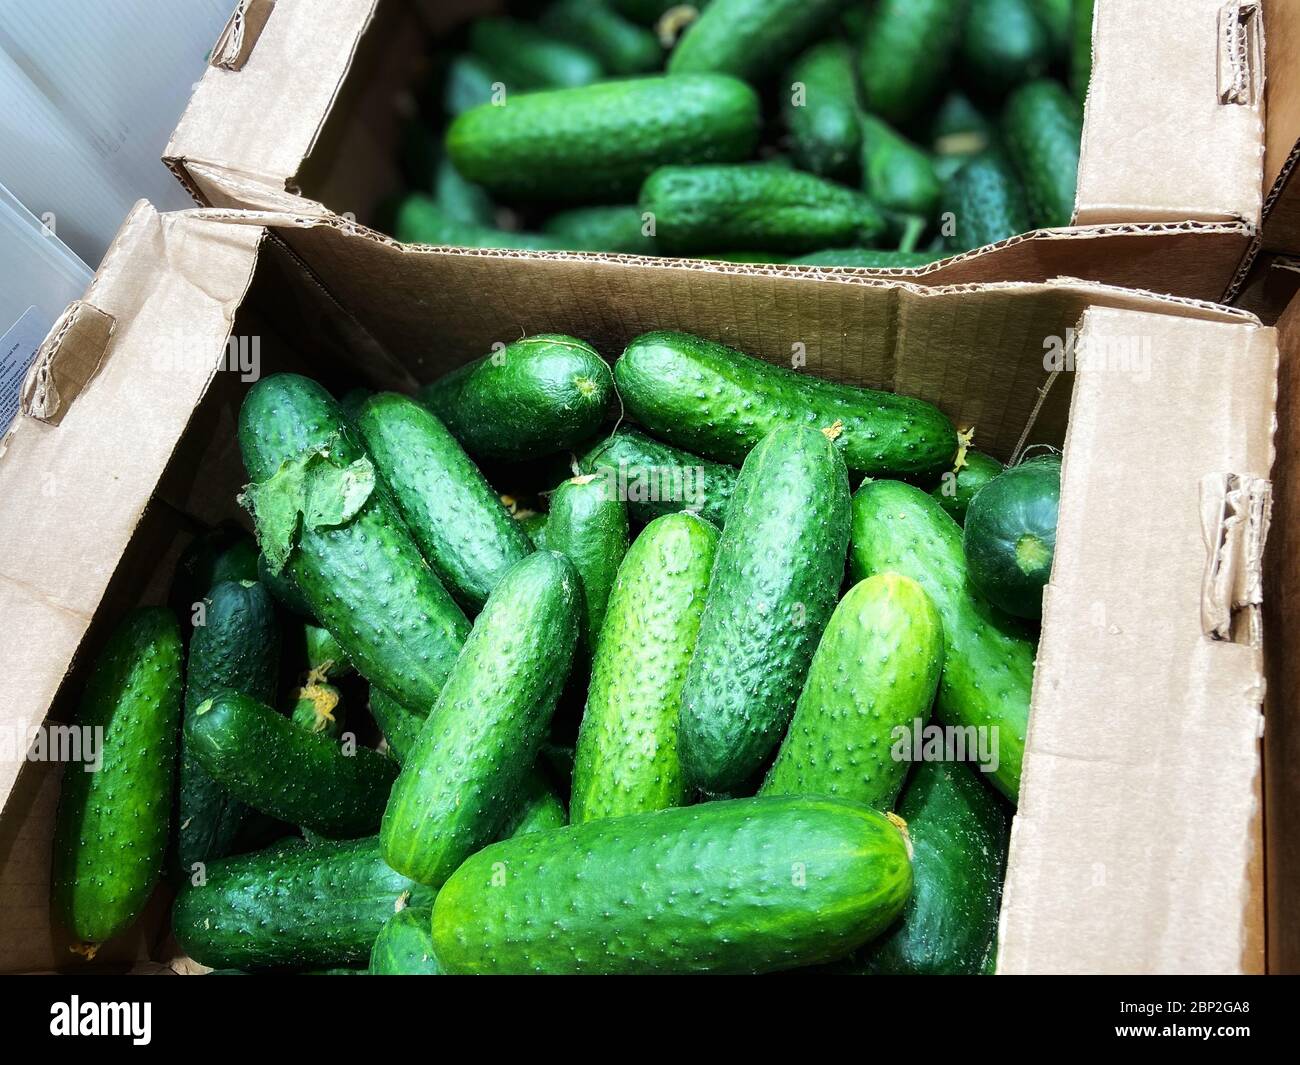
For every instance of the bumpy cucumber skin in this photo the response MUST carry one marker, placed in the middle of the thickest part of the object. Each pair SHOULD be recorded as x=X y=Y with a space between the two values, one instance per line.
x=988 y=664
x=283 y=590
x=749 y=38
x=1042 y=126
x=824 y=125
x=281 y=769
x=756 y=205
x=626 y=760
x=622 y=47
x=663 y=375
x=420 y=219
x=613 y=229
x=588 y=525
x=364 y=580
x=237 y=647
x=746 y=886
x=987 y=203
x=868 y=258
x=599 y=143
x=956 y=489
x=1004 y=43
x=876 y=670
x=535 y=397
x=896 y=174
x=455 y=517
x=539 y=810
x=404 y=946
x=110 y=832
x=775 y=580
x=524 y=57
x=959 y=835
x=294 y=905
x=907 y=49
x=464 y=777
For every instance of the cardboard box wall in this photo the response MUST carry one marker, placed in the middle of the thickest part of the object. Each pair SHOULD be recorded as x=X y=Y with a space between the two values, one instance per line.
x=1137 y=844
x=309 y=99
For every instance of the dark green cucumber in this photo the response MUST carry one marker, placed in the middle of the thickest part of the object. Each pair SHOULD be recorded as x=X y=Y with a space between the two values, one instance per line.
x=1010 y=535
x=756 y=205
x=622 y=47
x=453 y=514
x=957 y=488
x=896 y=174
x=1042 y=126
x=983 y=203
x=318 y=707
x=868 y=258
x=988 y=662
x=283 y=589
x=960 y=128
x=599 y=143
x=588 y=525
x=875 y=672
x=404 y=946
x=285 y=771
x=775 y=581
x=325 y=655
x=1081 y=49
x=524 y=57
x=1057 y=18
x=626 y=760
x=363 y=578
x=750 y=38
x=223 y=553
x=401 y=727
x=614 y=229
x=907 y=51
x=1004 y=44
x=663 y=375
x=746 y=886
x=821 y=110
x=656 y=478
x=463 y=779
x=236 y=647
x=110 y=832
x=470 y=83
x=534 y=397
x=959 y=848
x=350 y=402
x=460 y=200
x=534 y=525
x=295 y=905
x=422 y=220
x=539 y=809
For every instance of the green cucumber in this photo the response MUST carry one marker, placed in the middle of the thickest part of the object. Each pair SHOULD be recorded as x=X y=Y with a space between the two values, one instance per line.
x=223 y=553
x=292 y=906
x=622 y=47
x=464 y=777
x=404 y=946
x=534 y=397
x=350 y=402
x=534 y=526
x=957 y=487
x=599 y=143
x=1042 y=125
x=470 y=83
x=779 y=566
x=868 y=258
x=1057 y=18
x=453 y=514
x=110 y=832
x=325 y=656
x=524 y=57
x=896 y=174
x=988 y=662
x=1004 y=44
x=305 y=778
x=875 y=672
x=539 y=810
x=750 y=38
x=626 y=760
x=400 y=727
x=656 y=478
x=821 y=110
x=907 y=51
x=588 y=525
x=318 y=707
x=237 y=647
x=983 y=203
x=960 y=128
x=663 y=375
x=614 y=229
x=420 y=219
x=1081 y=49
x=363 y=576
x=1010 y=535
x=756 y=205
x=460 y=200
x=283 y=589
x=746 y=886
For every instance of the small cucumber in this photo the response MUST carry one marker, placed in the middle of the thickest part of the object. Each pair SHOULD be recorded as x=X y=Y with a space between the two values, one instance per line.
x=615 y=229
x=404 y=946
x=283 y=589
x=460 y=200
x=960 y=128
x=868 y=258
x=957 y=488
x=470 y=83
x=1057 y=19
x=896 y=174
x=746 y=886
x=1004 y=44
x=907 y=51
x=350 y=402
x=539 y=810
x=622 y=47
x=325 y=656
x=318 y=707
x=463 y=779
x=983 y=203
x=110 y=832
x=588 y=525
x=420 y=219
x=524 y=57
x=223 y=553
x=1042 y=125
x=401 y=727
x=534 y=525
x=821 y=110
x=750 y=38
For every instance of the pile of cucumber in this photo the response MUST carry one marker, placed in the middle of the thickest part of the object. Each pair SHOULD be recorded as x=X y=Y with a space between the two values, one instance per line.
x=856 y=133
x=563 y=668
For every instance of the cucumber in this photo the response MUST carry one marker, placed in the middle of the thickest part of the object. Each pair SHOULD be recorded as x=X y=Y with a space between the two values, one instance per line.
x=1010 y=535
x=293 y=905
x=363 y=576
x=223 y=553
x=599 y=143
x=460 y=200
x=907 y=51
x=777 y=575
x=1043 y=125
x=401 y=727
x=420 y=219
x=470 y=83
x=535 y=397
x=750 y=38
x=237 y=647
x=958 y=487
x=539 y=810
x=626 y=760
x=350 y=402
x=746 y=886
x=463 y=779
x=404 y=946
x=988 y=663
x=318 y=707
x=305 y=778
x=756 y=205
x=534 y=526
x=648 y=12
x=325 y=656
x=868 y=258
x=959 y=838
x=588 y=525
x=1081 y=49
x=896 y=174
x=983 y=203
x=821 y=110
x=1004 y=44
x=662 y=375
x=960 y=128
x=1057 y=19
x=875 y=672
x=622 y=47
x=453 y=514
x=524 y=57
x=656 y=478
x=283 y=589
x=614 y=229
x=110 y=832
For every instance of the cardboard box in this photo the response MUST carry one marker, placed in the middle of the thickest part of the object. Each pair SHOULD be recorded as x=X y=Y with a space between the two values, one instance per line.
x=308 y=99
x=1137 y=844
